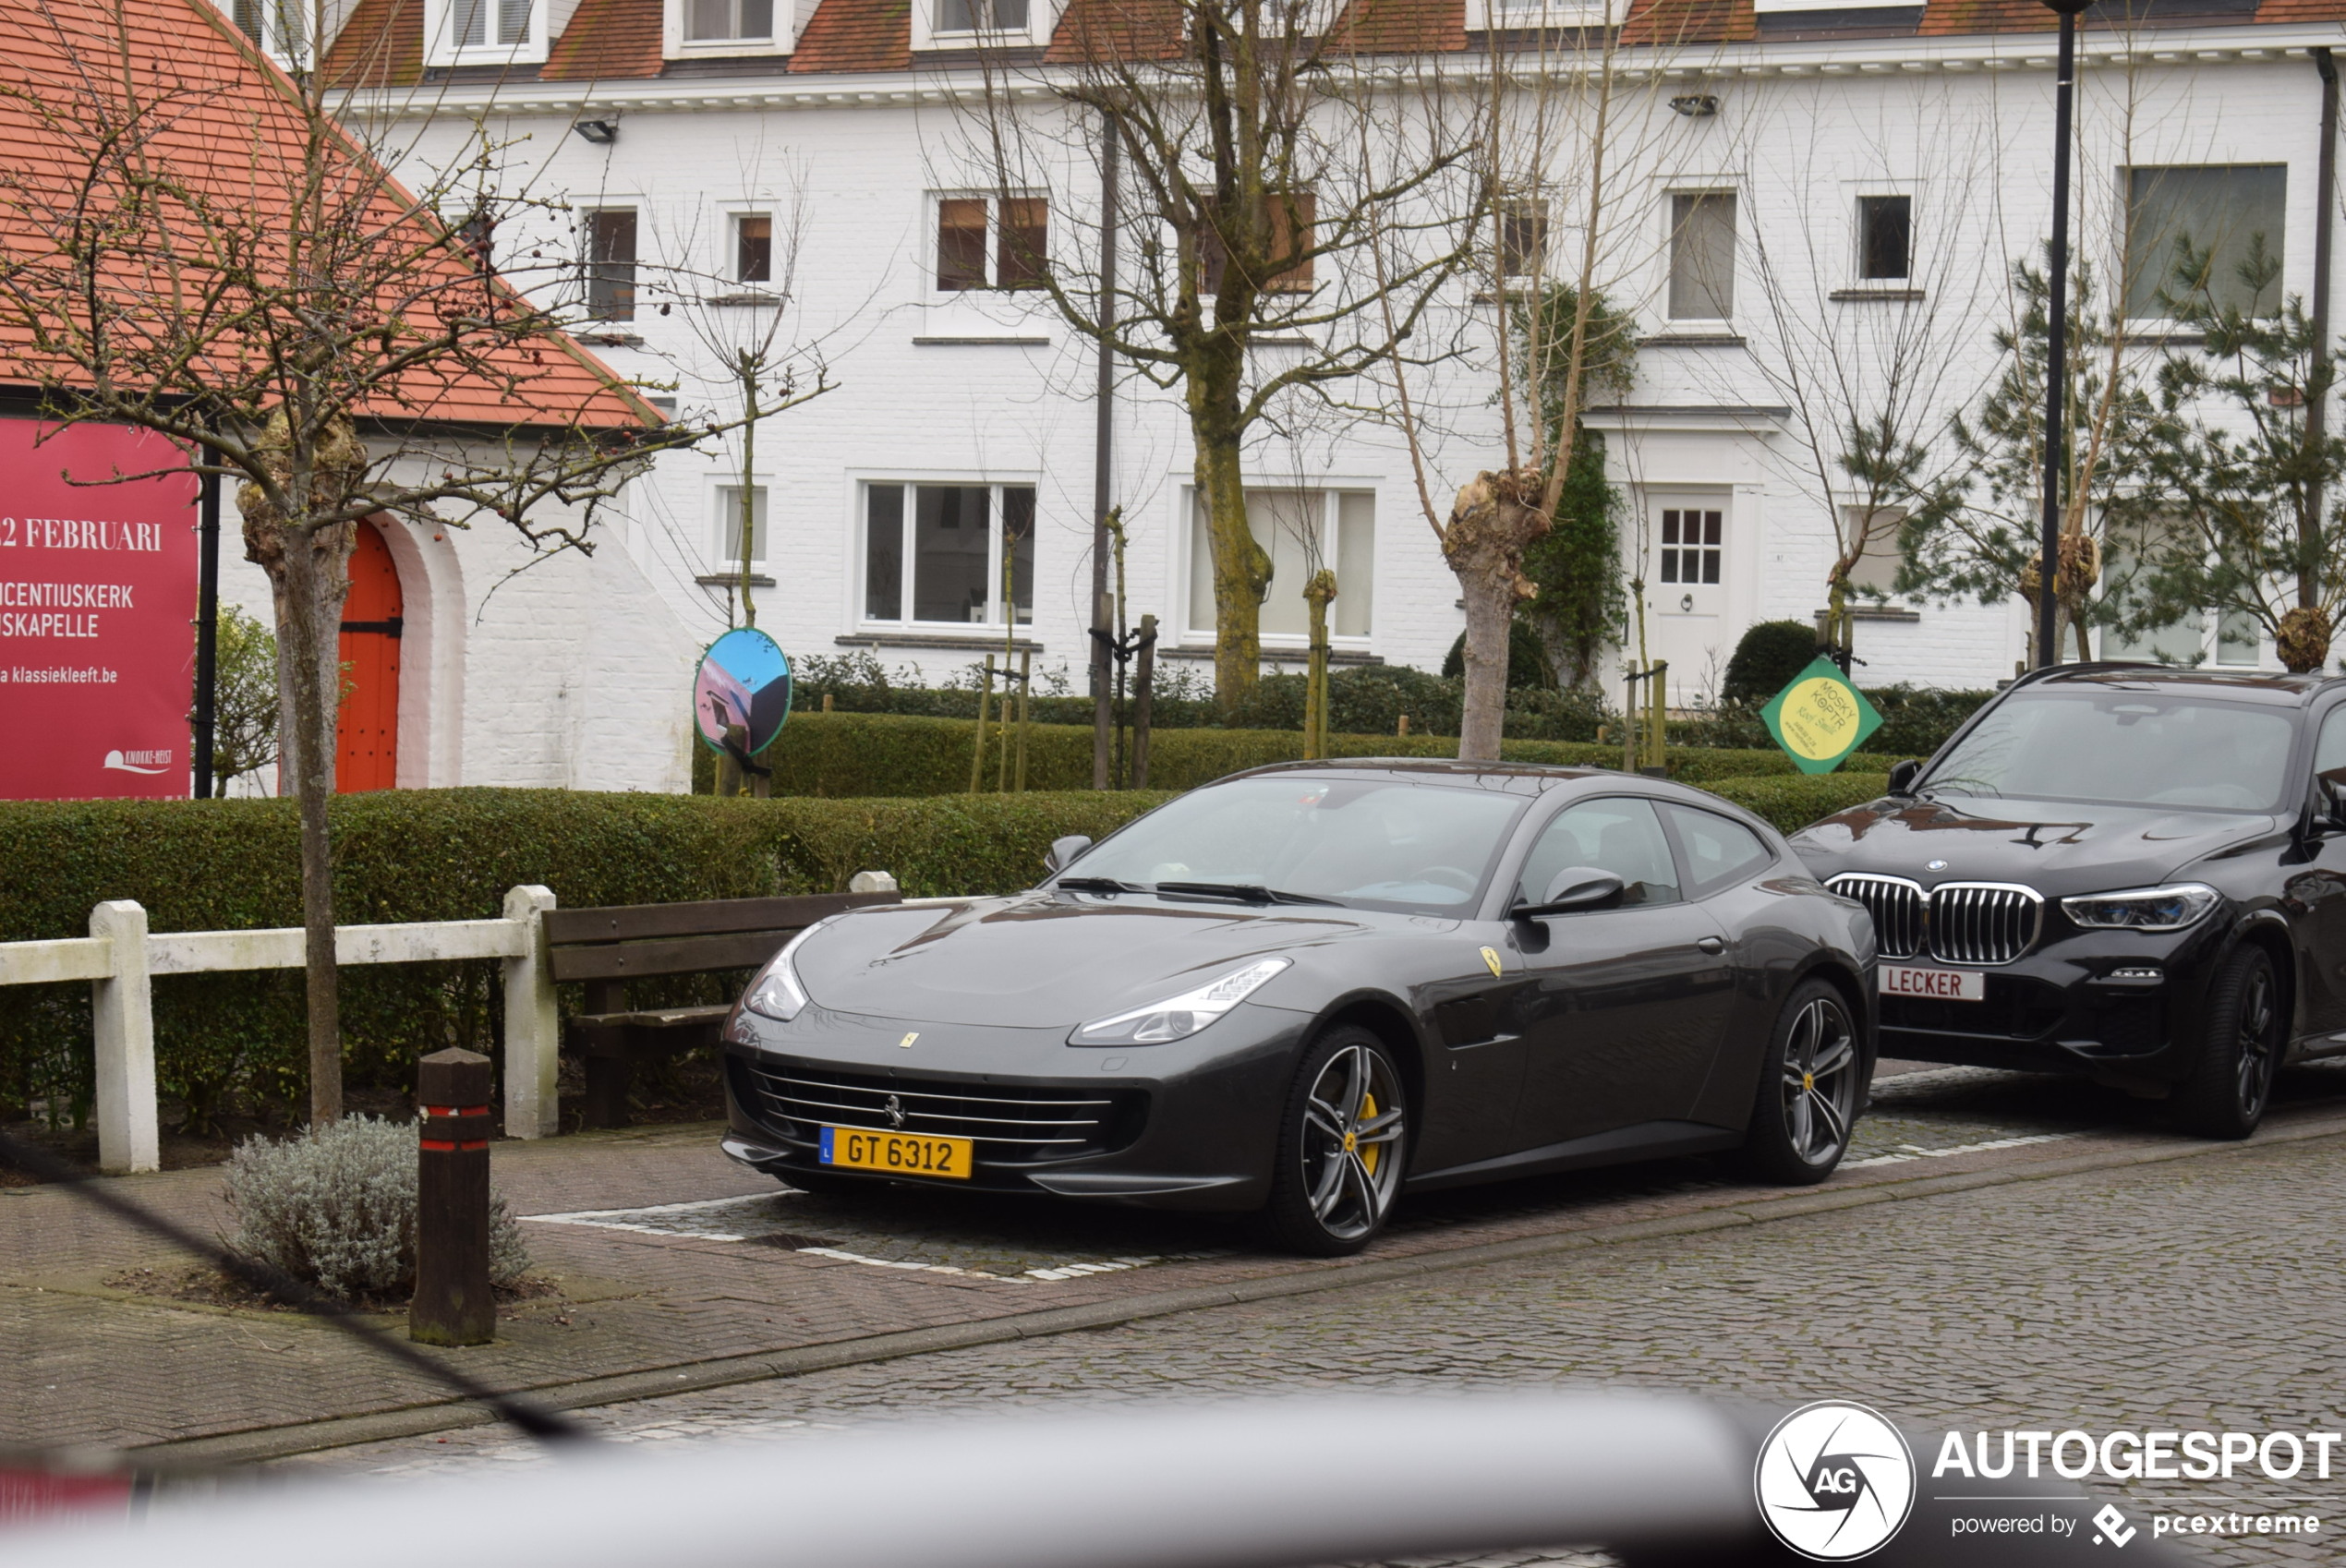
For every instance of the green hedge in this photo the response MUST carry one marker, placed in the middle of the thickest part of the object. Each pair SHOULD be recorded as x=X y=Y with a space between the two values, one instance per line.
x=440 y=854
x=844 y=754
x=1793 y=801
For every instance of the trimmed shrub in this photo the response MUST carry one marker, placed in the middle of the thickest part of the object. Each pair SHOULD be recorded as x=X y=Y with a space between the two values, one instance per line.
x=1918 y=721
x=1793 y=801
x=335 y=1208
x=1766 y=659
x=841 y=755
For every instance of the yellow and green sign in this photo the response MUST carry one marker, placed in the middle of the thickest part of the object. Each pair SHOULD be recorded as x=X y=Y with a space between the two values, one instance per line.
x=1820 y=718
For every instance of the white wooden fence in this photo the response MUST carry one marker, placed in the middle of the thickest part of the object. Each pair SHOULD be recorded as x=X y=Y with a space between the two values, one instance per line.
x=120 y=957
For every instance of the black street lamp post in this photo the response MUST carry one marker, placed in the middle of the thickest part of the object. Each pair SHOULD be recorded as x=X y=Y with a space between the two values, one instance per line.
x=2057 y=327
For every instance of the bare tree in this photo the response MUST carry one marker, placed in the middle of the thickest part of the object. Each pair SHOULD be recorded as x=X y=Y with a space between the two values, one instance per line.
x=204 y=252
x=1265 y=258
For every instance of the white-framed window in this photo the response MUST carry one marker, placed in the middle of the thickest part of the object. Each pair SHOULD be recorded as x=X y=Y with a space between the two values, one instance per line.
x=727 y=533
x=465 y=32
x=1523 y=235
x=988 y=242
x=971 y=24
x=280 y=27
x=2222 y=215
x=1702 y=256
x=1876 y=569
x=606 y=263
x=1302 y=531
x=1885 y=236
x=753 y=258
x=1519 y=15
x=934 y=553
x=730 y=28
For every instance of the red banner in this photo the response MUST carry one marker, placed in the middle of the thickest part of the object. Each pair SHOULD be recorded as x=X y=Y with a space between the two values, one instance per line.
x=97 y=613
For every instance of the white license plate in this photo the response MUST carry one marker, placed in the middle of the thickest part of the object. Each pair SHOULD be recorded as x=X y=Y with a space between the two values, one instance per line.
x=1947 y=984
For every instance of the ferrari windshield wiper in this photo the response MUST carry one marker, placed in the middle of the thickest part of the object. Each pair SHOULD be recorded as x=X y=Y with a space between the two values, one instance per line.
x=1245 y=892
x=1098 y=884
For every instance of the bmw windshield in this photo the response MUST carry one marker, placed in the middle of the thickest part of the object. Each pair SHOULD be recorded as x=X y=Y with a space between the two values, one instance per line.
x=2148 y=749
x=1369 y=842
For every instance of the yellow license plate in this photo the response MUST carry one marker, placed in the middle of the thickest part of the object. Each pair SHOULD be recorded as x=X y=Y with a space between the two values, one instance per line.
x=896 y=1154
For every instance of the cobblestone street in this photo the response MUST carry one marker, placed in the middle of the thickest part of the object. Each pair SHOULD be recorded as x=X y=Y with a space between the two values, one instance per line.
x=2200 y=1293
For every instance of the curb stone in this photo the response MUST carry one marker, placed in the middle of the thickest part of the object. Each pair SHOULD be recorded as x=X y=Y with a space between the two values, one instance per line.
x=439 y=1416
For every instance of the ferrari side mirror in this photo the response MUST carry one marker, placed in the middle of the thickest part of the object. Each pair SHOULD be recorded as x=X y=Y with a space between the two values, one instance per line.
x=1063 y=852
x=1903 y=776
x=1574 y=888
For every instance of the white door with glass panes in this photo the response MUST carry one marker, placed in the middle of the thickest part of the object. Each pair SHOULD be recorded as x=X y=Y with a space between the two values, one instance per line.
x=1688 y=539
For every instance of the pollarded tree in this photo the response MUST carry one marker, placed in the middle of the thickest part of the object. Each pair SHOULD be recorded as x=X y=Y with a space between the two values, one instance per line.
x=202 y=250
x=1291 y=202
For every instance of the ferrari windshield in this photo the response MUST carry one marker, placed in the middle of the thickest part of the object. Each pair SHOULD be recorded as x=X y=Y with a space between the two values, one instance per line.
x=2122 y=748
x=1354 y=840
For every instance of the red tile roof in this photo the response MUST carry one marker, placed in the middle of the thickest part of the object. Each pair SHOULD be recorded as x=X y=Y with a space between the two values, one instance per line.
x=856 y=35
x=381 y=44
x=1400 y=27
x=1117 y=29
x=223 y=124
x=606 y=40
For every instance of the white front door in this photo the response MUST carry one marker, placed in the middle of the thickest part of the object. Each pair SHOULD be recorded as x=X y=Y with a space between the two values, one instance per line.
x=1688 y=560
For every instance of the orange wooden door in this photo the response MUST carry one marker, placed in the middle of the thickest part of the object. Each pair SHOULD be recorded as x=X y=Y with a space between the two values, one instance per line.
x=367 y=746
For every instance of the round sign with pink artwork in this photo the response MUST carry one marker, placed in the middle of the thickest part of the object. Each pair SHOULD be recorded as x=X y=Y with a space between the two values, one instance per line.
x=742 y=695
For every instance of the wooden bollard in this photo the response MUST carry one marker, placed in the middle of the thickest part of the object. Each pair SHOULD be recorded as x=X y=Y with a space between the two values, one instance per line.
x=453 y=1304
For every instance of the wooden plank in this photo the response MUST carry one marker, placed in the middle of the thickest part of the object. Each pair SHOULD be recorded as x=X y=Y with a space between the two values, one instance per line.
x=686 y=955
x=199 y=952
x=625 y=922
x=43 y=963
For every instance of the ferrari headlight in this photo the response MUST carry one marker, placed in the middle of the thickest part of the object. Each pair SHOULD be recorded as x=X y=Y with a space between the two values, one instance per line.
x=776 y=993
x=1178 y=1018
x=2143 y=909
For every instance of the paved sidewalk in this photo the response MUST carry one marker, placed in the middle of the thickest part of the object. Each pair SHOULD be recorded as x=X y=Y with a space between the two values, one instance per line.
x=677 y=1267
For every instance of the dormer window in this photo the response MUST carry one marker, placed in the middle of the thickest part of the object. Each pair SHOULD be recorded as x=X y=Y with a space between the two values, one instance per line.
x=981 y=16
x=708 y=21
x=465 y=32
x=280 y=27
x=971 y=24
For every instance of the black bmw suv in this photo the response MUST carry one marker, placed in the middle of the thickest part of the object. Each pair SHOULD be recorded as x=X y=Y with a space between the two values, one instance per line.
x=2126 y=871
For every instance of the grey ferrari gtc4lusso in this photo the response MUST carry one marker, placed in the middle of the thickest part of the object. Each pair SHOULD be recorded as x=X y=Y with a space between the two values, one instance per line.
x=1306 y=989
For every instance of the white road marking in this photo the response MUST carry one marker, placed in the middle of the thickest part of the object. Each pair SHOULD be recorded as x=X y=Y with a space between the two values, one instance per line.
x=1911 y=1152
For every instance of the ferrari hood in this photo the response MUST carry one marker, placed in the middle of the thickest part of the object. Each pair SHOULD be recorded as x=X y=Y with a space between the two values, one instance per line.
x=1044 y=960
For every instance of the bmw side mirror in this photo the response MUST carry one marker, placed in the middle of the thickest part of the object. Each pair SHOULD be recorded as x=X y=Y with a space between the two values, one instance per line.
x=1574 y=888
x=1063 y=852
x=1903 y=776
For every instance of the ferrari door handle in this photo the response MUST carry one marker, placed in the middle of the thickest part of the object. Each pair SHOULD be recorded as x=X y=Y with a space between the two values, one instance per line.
x=1711 y=945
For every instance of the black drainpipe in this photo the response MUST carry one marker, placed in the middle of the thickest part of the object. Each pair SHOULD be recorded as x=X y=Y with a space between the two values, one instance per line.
x=2325 y=220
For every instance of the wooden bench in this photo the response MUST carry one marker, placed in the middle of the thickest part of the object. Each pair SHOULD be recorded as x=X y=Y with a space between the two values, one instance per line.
x=607 y=949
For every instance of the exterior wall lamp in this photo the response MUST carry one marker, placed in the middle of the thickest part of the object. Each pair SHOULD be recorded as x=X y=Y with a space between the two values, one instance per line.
x=602 y=133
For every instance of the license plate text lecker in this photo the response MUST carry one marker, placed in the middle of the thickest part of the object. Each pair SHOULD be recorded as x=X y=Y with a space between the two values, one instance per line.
x=1945 y=984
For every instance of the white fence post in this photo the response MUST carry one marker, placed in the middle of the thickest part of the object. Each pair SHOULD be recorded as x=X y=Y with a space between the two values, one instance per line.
x=533 y=1030
x=122 y=1008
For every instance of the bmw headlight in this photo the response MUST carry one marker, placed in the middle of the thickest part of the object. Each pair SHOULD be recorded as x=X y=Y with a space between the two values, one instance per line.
x=776 y=993
x=1176 y=1017
x=2143 y=909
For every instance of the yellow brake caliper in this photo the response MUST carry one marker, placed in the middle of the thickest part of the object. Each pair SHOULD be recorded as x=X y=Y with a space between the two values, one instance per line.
x=1370 y=1155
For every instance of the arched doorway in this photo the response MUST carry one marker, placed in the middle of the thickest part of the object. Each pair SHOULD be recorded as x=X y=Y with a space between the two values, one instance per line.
x=367 y=742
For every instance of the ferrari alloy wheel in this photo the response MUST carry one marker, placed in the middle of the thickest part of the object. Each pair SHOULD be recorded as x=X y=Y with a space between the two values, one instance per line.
x=2227 y=1094
x=1811 y=1087
x=1342 y=1146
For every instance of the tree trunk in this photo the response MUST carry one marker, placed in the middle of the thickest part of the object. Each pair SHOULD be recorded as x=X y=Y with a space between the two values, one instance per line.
x=316 y=568
x=1241 y=567
x=1494 y=518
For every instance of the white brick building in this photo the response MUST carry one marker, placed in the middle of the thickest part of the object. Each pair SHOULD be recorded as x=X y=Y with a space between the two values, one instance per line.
x=1872 y=171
